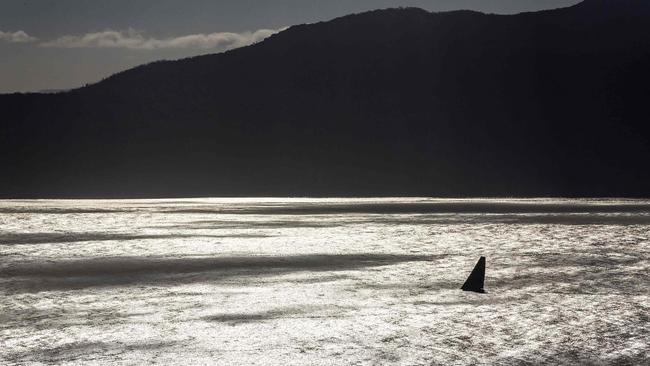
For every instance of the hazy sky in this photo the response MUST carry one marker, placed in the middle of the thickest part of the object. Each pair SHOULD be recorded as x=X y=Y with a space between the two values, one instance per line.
x=59 y=44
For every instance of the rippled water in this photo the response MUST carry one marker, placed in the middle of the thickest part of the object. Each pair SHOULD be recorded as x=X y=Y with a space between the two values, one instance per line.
x=323 y=281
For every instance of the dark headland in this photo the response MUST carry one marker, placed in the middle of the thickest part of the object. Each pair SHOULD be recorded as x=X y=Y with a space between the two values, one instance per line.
x=388 y=102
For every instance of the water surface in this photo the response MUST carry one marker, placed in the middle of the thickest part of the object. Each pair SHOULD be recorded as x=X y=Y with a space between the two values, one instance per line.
x=323 y=281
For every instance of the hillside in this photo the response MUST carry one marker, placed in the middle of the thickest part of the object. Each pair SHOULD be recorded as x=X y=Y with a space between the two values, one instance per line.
x=388 y=102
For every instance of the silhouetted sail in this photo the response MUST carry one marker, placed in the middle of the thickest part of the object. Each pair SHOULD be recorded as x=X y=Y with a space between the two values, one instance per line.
x=476 y=279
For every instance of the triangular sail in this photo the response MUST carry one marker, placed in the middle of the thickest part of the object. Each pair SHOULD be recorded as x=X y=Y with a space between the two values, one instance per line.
x=476 y=279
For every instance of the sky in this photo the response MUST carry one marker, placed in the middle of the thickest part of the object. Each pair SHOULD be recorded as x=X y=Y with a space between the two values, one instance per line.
x=63 y=44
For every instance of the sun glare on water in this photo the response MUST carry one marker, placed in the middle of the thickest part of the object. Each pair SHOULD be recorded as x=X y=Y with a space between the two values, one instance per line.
x=323 y=281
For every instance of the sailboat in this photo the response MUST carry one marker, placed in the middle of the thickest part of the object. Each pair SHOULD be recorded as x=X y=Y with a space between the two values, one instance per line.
x=476 y=279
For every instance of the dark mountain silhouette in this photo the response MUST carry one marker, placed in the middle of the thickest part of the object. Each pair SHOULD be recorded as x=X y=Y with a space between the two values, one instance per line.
x=388 y=102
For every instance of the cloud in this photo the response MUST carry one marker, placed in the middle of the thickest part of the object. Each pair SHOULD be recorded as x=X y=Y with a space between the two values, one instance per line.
x=16 y=37
x=131 y=39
